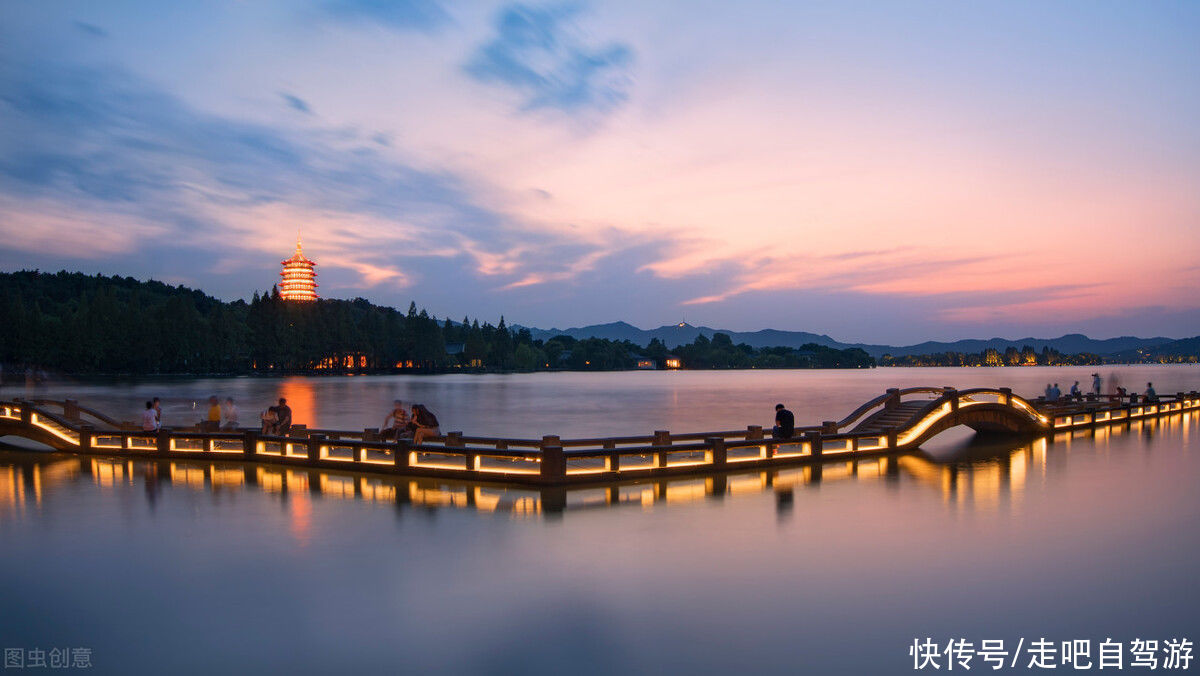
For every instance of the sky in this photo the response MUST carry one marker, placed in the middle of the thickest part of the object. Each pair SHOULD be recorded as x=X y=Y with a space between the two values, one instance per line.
x=879 y=172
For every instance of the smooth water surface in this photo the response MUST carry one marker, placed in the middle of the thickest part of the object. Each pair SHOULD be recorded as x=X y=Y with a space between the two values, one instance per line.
x=193 y=567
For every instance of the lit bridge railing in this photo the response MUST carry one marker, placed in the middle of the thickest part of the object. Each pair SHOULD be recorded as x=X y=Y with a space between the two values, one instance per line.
x=552 y=460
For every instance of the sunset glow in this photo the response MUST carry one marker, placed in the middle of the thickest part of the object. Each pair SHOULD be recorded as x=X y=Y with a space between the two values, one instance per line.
x=883 y=174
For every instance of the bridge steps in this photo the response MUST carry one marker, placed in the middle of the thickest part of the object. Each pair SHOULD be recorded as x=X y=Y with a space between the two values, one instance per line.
x=892 y=418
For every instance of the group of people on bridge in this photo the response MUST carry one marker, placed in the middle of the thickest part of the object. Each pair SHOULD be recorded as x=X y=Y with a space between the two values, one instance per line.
x=1054 y=394
x=415 y=423
x=220 y=416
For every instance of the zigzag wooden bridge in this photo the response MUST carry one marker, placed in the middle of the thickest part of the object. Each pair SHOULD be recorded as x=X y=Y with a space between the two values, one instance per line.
x=898 y=421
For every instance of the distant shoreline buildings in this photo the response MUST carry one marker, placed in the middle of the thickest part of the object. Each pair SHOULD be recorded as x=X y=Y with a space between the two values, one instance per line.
x=299 y=277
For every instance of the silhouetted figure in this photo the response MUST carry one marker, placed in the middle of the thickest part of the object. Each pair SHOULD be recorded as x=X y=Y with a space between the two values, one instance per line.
x=1096 y=383
x=157 y=411
x=284 y=413
x=785 y=423
x=1075 y=393
x=1151 y=395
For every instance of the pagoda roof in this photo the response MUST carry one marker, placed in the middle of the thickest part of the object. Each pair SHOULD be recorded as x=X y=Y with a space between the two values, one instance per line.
x=298 y=257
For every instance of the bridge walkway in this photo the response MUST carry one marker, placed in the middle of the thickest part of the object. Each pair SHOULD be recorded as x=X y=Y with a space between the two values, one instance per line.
x=896 y=422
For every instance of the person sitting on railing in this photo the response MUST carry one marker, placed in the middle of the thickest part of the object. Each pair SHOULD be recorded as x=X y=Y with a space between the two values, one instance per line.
x=1151 y=395
x=269 y=418
x=212 y=421
x=396 y=425
x=284 y=425
x=1075 y=393
x=149 y=418
x=785 y=423
x=424 y=423
x=230 y=413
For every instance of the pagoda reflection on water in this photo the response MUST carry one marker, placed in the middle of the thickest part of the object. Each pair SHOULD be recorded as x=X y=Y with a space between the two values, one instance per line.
x=299 y=278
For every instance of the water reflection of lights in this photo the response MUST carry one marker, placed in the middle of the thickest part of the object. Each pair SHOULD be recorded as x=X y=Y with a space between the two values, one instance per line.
x=981 y=485
x=301 y=398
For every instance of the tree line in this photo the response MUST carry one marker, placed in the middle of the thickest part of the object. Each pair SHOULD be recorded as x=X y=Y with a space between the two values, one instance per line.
x=76 y=323
x=1026 y=356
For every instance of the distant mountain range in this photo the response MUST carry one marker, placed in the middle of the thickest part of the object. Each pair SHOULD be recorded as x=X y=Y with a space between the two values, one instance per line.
x=681 y=334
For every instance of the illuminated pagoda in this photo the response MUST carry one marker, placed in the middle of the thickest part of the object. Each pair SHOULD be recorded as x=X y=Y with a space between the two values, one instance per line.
x=299 y=278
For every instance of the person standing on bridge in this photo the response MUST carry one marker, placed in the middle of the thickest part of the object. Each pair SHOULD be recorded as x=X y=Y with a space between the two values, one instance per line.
x=157 y=412
x=1096 y=383
x=785 y=423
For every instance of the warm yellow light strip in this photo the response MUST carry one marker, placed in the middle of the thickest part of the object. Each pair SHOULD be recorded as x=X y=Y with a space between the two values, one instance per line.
x=496 y=470
x=438 y=465
x=52 y=430
x=926 y=422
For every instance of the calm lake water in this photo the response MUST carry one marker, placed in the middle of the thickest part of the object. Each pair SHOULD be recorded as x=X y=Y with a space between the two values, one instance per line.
x=193 y=567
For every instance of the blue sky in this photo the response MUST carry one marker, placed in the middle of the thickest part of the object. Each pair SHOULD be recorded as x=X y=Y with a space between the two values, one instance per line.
x=881 y=172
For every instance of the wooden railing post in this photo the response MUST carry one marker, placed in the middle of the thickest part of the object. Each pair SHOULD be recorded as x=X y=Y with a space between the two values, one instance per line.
x=1006 y=393
x=661 y=438
x=85 y=437
x=893 y=399
x=401 y=457
x=26 y=412
x=314 y=447
x=891 y=437
x=814 y=443
x=952 y=394
x=720 y=455
x=754 y=432
x=454 y=440
x=249 y=444
x=613 y=462
x=828 y=427
x=164 y=441
x=371 y=434
x=554 y=461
